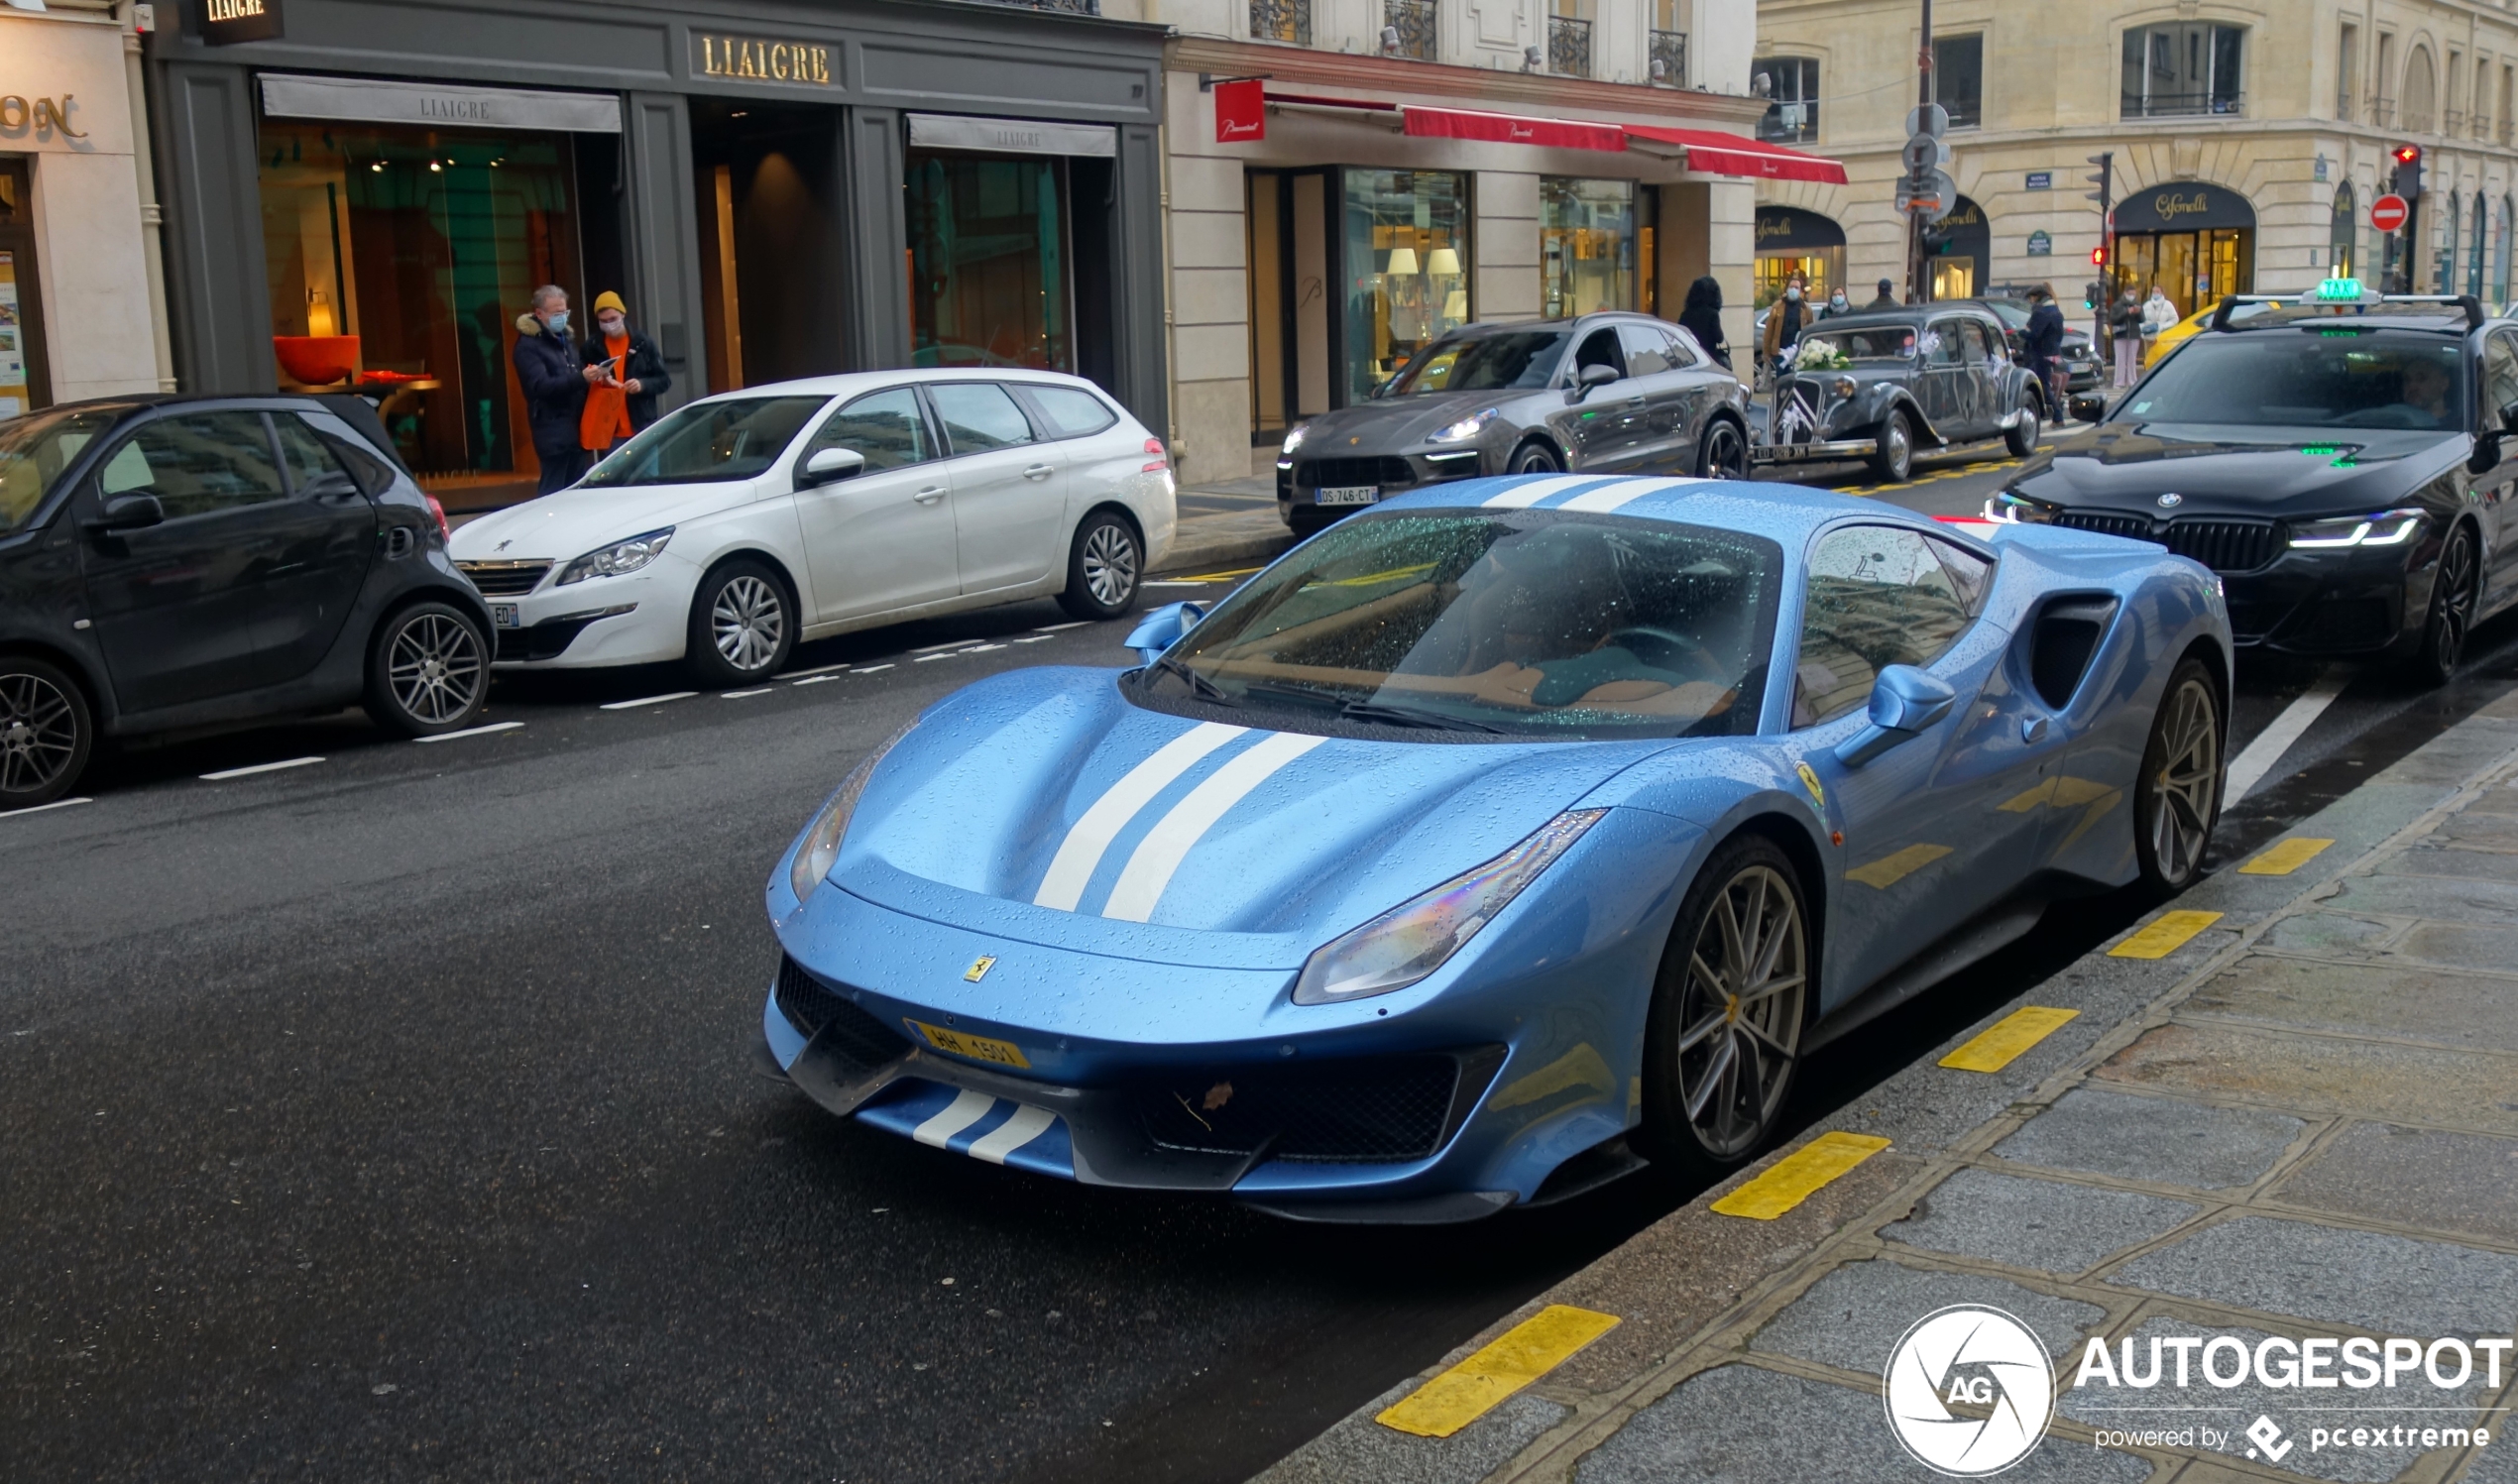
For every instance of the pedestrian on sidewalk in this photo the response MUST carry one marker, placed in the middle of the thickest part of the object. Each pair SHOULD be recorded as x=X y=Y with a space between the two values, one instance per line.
x=1786 y=318
x=2041 y=342
x=623 y=400
x=1702 y=318
x=554 y=382
x=1837 y=303
x=2124 y=326
x=2159 y=316
x=1887 y=299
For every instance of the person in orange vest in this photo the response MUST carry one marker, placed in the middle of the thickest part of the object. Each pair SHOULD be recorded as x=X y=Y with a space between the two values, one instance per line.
x=623 y=400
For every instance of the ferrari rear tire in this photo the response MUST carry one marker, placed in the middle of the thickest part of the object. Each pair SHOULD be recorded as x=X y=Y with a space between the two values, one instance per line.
x=2177 y=794
x=1723 y=453
x=1534 y=458
x=1893 y=457
x=2021 y=438
x=1723 y=1037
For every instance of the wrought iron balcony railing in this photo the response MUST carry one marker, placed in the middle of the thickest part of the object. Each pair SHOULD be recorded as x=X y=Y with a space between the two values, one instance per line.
x=1412 y=21
x=1281 y=20
x=1666 y=58
x=1569 y=46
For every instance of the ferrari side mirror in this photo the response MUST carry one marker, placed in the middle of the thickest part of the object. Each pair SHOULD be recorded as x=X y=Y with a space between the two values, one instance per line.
x=1162 y=629
x=1904 y=702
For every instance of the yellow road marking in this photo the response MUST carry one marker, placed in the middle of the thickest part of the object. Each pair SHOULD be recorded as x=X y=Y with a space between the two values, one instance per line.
x=1798 y=1176
x=1888 y=870
x=1475 y=1387
x=2005 y=1040
x=2285 y=857
x=2164 y=936
x=1218 y=576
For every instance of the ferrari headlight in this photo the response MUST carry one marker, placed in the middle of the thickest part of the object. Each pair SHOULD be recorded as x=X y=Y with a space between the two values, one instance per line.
x=1294 y=440
x=1416 y=938
x=1466 y=429
x=618 y=559
x=2385 y=528
x=820 y=844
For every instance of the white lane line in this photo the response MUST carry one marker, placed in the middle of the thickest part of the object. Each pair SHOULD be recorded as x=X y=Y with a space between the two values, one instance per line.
x=2249 y=768
x=1080 y=851
x=869 y=669
x=224 y=774
x=40 y=808
x=470 y=732
x=646 y=701
x=924 y=658
x=1027 y=1125
x=814 y=679
x=967 y=1107
x=1036 y=638
x=981 y=648
x=817 y=670
x=1168 y=843
x=932 y=649
x=739 y=695
x=1054 y=627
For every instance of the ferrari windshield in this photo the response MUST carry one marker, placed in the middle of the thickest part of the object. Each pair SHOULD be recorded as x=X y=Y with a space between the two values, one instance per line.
x=1541 y=623
x=708 y=442
x=1506 y=360
x=2309 y=376
x=1879 y=342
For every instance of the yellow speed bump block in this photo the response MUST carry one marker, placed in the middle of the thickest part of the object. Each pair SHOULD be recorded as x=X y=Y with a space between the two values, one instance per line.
x=2164 y=936
x=2005 y=1040
x=1799 y=1175
x=2285 y=857
x=1477 y=1385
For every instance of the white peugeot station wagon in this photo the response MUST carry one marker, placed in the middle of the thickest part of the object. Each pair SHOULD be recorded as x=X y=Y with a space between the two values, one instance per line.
x=741 y=523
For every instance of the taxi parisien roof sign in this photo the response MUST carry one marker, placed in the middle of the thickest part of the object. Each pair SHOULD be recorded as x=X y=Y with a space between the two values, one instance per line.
x=2339 y=289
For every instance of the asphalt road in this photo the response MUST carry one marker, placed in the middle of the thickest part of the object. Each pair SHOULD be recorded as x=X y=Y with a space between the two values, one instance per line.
x=386 y=1116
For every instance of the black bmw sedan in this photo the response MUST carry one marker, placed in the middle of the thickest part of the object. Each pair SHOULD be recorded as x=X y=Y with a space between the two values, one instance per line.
x=1605 y=394
x=2341 y=467
x=174 y=563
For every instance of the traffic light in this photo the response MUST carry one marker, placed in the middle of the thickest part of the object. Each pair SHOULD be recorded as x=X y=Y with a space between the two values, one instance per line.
x=2408 y=172
x=1936 y=239
x=2089 y=295
x=2098 y=256
x=2104 y=181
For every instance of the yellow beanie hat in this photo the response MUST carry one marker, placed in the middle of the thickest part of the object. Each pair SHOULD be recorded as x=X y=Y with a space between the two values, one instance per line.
x=610 y=300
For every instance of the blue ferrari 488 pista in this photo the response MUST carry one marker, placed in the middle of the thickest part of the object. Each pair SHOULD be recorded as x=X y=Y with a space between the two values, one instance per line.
x=1491 y=842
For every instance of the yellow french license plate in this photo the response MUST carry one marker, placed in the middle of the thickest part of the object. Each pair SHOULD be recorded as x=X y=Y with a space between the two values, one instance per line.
x=977 y=1048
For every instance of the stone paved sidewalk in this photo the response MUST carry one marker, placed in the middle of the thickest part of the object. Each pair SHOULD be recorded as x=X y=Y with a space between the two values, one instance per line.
x=2303 y=1122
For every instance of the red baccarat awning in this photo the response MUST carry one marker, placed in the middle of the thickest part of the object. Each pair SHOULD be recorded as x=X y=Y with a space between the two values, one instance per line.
x=1715 y=153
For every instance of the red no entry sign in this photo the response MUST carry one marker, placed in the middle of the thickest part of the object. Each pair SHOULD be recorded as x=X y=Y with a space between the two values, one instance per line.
x=2388 y=213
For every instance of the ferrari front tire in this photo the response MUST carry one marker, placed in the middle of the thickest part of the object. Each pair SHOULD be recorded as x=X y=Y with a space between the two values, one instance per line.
x=1723 y=1037
x=2177 y=794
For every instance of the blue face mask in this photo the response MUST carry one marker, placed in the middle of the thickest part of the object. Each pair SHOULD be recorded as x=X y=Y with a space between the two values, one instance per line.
x=558 y=322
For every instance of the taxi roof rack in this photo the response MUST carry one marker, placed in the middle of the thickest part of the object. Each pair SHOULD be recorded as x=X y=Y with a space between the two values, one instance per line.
x=2473 y=307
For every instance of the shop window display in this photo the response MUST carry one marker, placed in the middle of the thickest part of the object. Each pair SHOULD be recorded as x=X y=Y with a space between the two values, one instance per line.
x=397 y=261
x=1407 y=267
x=1586 y=246
x=989 y=275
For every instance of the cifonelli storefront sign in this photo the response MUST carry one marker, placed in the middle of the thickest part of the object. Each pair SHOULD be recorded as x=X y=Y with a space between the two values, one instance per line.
x=751 y=59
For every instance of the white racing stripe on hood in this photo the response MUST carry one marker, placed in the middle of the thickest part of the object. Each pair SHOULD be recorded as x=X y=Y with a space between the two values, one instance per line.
x=1168 y=843
x=1073 y=867
x=1609 y=499
x=1538 y=490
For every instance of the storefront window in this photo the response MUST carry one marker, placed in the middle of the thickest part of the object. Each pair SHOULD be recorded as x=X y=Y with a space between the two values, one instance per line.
x=988 y=262
x=1586 y=246
x=1407 y=267
x=23 y=385
x=399 y=260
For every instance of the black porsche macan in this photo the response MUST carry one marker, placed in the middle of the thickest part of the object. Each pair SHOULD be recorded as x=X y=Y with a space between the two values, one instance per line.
x=2341 y=466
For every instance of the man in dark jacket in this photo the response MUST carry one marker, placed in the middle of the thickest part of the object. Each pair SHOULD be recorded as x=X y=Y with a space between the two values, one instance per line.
x=2041 y=342
x=554 y=382
x=1887 y=299
x=641 y=372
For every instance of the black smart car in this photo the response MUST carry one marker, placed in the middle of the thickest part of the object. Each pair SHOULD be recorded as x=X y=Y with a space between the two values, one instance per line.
x=172 y=563
x=2340 y=464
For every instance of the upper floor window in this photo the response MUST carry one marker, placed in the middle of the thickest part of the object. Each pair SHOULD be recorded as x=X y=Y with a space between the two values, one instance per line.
x=1958 y=78
x=1792 y=83
x=2181 y=66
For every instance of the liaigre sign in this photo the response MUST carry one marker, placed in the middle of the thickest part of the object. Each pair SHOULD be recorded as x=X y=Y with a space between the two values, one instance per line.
x=749 y=58
x=227 y=22
x=364 y=100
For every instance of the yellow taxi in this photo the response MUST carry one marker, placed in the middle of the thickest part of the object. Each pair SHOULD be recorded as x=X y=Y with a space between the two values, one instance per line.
x=2169 y=339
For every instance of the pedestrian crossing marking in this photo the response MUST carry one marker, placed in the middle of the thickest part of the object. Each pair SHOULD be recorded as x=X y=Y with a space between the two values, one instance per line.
x=1798 y=1176
x=2004 y=1042
x=2285 y=857
x=2165 y=935
x=1479 y=1384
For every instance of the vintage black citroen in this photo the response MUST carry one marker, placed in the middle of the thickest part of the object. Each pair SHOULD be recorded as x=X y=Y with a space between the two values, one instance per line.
x=1881 y=386
x=2346 y=462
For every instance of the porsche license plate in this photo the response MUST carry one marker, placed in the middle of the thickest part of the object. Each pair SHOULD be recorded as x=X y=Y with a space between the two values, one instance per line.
x=504 y=615
x=1347 y=494
x=977 y=1048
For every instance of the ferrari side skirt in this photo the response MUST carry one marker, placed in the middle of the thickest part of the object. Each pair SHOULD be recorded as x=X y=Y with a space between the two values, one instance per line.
x=1978 y=938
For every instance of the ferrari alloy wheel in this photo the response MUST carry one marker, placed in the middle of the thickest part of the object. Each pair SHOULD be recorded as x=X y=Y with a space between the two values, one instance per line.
x=45 y=733
x=1893 y=457
x=2452 y=611
x=1534 y=458
x=428 y=671
x=1105 y=568
x=1724 y=453
x=743 y=624
x=2021 y=438
x=1725 y=1031
x=2177 y=796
